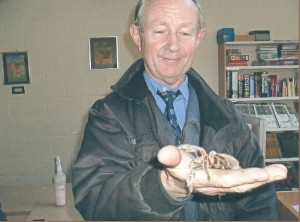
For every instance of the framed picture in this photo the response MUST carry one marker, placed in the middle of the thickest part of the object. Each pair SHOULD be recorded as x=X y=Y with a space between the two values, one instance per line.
x=104 y=53
x=15 y=68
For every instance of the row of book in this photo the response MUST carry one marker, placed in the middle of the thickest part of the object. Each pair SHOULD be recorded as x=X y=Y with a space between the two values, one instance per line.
x=234 y=57
x=281 y=54
x=259 y=85
x=282 y=145
x=266 y=55
x=276 y=115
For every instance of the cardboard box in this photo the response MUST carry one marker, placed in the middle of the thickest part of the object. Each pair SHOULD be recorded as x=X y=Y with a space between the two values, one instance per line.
x=286 y=201
x=261 y=35
x=244 y=38
x=225 y=35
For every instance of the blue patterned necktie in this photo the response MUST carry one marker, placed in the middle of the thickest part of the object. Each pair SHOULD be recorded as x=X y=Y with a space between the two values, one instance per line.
x=169 y=97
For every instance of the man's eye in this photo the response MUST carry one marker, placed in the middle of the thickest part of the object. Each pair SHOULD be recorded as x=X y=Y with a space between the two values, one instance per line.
x=186 y=34
x=159 y=31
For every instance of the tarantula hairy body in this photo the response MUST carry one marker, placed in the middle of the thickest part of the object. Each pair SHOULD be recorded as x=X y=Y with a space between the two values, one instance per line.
x=205 y=161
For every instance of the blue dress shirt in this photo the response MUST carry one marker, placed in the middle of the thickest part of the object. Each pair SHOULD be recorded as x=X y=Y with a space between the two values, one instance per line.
x=180 y=103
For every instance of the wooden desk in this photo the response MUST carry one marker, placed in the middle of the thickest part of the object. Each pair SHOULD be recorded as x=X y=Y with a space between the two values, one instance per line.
x=30 y=203
x=286 y=200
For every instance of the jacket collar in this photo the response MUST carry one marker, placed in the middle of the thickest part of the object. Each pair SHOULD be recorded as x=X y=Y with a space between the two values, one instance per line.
x=132 y=84
x=213 y=109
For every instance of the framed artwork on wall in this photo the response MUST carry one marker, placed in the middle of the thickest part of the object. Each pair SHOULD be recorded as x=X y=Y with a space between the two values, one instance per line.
x=104 y=53
x=15 y=68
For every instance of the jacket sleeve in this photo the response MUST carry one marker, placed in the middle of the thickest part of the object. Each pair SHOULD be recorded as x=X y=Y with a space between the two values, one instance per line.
x=261 y=203
x=110 y=180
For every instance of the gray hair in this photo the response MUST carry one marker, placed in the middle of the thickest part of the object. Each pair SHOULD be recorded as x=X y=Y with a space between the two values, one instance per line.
x=139 y=16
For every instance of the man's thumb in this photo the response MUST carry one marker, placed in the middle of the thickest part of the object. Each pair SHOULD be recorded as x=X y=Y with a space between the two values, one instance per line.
x=169 y=156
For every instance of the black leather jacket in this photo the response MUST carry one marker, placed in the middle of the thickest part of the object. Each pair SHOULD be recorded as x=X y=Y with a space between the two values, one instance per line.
x=116 y=174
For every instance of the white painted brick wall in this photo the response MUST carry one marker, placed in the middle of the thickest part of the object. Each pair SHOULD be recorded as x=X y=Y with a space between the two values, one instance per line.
x=49 y=119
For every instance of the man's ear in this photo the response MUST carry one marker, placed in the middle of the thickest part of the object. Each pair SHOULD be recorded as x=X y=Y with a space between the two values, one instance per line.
x=135 y=35
x=200 y=36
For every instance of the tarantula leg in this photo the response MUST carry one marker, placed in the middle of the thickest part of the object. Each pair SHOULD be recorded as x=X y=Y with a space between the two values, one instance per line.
x=206 y=166
x=207 y=172
x=189 y=181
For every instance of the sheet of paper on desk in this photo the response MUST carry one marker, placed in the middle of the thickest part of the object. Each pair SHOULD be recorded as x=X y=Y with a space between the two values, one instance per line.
x=296 y=207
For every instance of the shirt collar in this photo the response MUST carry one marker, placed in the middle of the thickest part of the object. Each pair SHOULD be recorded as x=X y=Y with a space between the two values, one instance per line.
x=154 y=85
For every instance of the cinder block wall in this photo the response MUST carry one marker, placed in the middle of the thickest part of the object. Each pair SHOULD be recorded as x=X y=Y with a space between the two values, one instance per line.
x=49 y=119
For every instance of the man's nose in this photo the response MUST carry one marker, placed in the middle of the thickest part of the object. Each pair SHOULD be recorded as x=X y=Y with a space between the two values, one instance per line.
x=173 y=42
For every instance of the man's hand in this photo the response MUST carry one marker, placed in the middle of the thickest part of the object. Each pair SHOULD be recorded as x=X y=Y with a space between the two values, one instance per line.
x=221 y=181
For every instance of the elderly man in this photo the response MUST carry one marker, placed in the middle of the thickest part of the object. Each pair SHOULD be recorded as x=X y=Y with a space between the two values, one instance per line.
x=121 y=172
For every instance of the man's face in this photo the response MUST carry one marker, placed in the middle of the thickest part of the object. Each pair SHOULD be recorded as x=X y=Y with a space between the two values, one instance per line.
x=169 y=39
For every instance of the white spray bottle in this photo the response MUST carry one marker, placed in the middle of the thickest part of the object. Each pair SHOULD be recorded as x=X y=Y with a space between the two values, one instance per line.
x=60 y=184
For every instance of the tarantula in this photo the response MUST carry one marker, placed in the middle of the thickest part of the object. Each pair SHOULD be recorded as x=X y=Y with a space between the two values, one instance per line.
x=202 y=160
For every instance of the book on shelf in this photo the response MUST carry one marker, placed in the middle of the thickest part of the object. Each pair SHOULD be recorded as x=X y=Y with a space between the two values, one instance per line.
x=259 y=85
x=273 y=149
x=252 y=109
x=292 y=115
x=277 y=115
x=234 y=57
x=243 y=107
x=246 y=86
x=289 y=143
x=279 y=62
x=281 y=54
x=240 y=85
x=275 y=85
x=237 y=57
x=284 y=87
x=264 y=55
x=291 y=86
x=266 y=52
x=282 y=115
x=290 y=51
x=237 y=63
x=264 y=111
x=235 y=83
x=282 y=145
x=252 y=86
x=265 y=85
x=228 y=84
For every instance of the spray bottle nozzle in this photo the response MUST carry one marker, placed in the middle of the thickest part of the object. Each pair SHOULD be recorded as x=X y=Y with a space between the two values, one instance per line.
x=58 y=164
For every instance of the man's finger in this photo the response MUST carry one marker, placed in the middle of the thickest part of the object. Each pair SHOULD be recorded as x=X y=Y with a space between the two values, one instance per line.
x=220 y=178
x=276 y=172
x=169 y=156
x=232 y=178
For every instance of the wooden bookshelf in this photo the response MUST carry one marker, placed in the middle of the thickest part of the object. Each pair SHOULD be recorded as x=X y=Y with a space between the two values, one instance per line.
x=284 y=71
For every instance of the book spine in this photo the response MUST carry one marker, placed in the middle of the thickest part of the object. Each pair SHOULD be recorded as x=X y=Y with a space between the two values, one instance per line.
x=265 y=85
x=243 y=107
x=235 y=85
x=274 y=85
x=289 y=144
x=252 y=86
x=228 y=84
x=279 y=88
x=281 y=115
x=241 y=85
x=264 y=111
x=237 y=57
x=252 y=110
x=291 y=87
x=284 y=88
x=257 y=81
x=237 y=63
x=292 y=116
x=246 y=86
